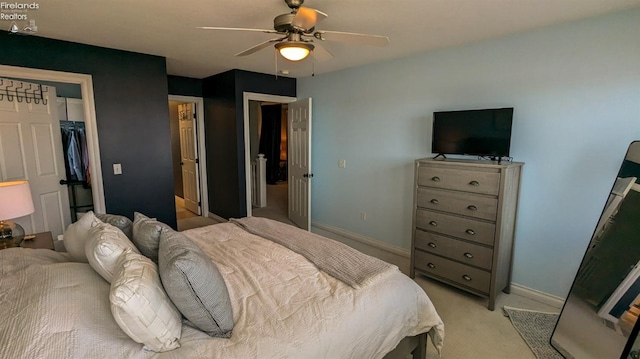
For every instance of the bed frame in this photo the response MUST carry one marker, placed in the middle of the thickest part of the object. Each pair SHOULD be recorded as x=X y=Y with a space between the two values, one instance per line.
x=414 y=346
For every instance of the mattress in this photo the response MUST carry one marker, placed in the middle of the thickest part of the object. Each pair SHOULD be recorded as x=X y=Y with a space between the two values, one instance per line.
x=283 y=307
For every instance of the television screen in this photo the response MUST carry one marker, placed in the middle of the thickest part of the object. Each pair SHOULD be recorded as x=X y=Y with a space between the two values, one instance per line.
x=485 y=132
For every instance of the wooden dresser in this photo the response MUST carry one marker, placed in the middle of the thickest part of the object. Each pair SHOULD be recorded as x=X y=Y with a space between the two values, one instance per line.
x=464 y=223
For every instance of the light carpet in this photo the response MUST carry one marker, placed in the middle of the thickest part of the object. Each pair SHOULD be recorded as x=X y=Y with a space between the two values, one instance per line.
x=535 y=328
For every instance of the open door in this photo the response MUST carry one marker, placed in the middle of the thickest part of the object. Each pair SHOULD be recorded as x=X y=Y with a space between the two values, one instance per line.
x=189 y=157
x=31 y=149
x=299 y=163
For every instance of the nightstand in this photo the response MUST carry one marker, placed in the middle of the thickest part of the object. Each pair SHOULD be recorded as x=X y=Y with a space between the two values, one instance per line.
x=42 y=240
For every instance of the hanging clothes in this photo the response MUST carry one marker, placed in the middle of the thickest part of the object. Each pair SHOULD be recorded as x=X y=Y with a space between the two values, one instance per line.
x=75 y=161
x=84 y=152
x=76 y=157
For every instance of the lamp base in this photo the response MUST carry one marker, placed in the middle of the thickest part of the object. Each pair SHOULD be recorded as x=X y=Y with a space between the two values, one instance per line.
x=11 y=234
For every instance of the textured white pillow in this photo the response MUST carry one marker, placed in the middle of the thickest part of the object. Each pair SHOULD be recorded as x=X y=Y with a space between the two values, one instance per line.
x=104 y=245
x=141 y=307
x=76 y=235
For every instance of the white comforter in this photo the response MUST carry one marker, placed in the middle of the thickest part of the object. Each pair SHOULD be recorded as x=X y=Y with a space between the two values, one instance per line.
x=283 y=307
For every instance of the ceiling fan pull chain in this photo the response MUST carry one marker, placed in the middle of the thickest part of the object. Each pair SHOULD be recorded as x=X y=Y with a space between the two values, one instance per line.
x=275 y=54
x=313 y=64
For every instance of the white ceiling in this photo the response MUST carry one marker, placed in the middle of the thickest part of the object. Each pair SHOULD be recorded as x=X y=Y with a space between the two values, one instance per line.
x=168 y=28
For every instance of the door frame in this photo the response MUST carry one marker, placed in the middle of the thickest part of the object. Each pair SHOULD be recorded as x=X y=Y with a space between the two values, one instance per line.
x=91 y=127
x=246 y=97
x=202 y=153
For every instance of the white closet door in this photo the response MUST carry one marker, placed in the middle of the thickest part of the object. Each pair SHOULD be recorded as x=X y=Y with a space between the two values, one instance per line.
x=189 y=157
x=299 y=162
x=31 y=149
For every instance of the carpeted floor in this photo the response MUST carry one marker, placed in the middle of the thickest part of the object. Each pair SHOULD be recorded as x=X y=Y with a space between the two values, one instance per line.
x=535 y=328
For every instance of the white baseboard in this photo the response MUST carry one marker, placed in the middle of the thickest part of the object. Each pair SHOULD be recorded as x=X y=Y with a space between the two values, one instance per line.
x=518 y=289
x=538 y=296
x=533 y=294
x=363 y=239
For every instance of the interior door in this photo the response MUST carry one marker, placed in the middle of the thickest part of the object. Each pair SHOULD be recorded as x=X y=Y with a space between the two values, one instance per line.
x=31 y=149
x=189 y=157
x=299 y=163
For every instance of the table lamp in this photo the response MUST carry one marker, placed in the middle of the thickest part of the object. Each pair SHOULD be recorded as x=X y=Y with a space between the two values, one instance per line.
x=15 y=202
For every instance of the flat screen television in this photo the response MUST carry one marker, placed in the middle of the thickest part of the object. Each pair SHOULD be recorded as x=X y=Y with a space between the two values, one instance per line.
x=485 y=132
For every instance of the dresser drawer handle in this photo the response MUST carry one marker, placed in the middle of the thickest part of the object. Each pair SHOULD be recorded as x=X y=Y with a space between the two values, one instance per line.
x=433 y=223
x=431 y=265
x=468 y=255
x=435 y=179
x=432 y=245
x=474 y=183
x=467 y=278
x=472 y=208
x=471 y=232
x=434 y=201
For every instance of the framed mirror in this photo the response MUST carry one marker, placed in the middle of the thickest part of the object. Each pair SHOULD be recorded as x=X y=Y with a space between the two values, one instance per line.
x=599 y=315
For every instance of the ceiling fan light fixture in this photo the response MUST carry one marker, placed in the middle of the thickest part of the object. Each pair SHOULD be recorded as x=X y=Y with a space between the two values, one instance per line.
x=294 y=50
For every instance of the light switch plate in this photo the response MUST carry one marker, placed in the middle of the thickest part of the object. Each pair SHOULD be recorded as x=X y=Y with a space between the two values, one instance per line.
x=117 y=169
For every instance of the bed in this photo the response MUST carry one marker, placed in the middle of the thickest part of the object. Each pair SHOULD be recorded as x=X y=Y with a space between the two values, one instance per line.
x=283 y=306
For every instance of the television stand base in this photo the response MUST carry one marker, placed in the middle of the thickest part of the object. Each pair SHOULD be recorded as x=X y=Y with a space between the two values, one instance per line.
x=440 y=155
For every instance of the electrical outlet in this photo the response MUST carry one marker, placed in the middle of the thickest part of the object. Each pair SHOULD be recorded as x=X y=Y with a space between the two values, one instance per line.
x=342 y=163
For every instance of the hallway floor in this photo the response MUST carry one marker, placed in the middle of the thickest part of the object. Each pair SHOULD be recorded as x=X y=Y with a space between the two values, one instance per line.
x=277 y=204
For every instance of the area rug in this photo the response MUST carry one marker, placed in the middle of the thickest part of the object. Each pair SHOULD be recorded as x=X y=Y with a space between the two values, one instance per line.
x=535 y=328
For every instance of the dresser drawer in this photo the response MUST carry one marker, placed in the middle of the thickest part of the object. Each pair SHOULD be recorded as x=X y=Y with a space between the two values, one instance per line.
x=459 y=180
x=472 y=205
x=460 y=251
x=456 y=272
x=460 y=227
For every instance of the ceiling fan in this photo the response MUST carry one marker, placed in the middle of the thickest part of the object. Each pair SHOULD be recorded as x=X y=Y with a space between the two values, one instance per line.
x=299 y=37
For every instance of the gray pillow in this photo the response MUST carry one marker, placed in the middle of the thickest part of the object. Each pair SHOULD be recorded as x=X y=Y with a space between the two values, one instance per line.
x=121 y=222
x=194 y=284
x=146 y=235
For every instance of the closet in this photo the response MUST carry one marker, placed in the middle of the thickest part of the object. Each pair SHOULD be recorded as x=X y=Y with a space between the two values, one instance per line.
x=76 y=159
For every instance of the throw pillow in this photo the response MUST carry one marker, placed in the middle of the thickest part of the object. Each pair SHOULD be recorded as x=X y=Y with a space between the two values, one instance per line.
x=121 y=222
x=75 y=237
x=194 y=284
x=146 y=235
x=105 y=245
x=140 y=306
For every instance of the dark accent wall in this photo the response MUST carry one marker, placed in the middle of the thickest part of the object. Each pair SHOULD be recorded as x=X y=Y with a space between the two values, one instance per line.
x=185 y=86
x=224 y=131
x=130 y=92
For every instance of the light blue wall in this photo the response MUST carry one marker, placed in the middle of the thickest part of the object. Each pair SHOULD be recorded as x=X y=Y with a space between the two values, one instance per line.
x=576 y=93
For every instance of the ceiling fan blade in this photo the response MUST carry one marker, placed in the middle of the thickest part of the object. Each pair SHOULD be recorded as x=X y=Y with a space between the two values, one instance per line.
x=307 y=18
x=258 y=47
x=364 y=39
x=320 y=53
x=237 y=29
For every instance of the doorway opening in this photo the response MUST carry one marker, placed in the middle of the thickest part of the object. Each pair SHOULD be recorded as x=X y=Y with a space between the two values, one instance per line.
x=279 y=192
x=186 y=116
x=93 y=154
x=74 y=146
x=268 y=126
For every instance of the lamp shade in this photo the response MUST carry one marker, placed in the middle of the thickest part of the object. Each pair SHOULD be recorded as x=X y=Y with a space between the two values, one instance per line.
x=15 y=200
x=294 y=50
